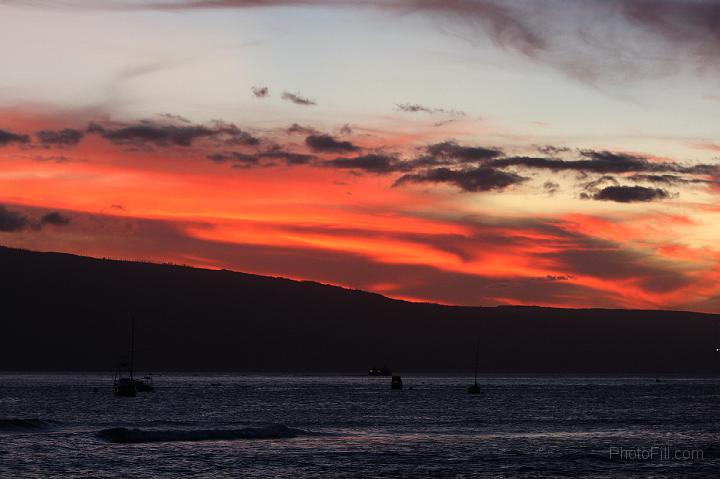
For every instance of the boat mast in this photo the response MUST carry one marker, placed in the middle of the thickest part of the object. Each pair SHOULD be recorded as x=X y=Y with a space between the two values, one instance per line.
x=477 y=357
x=132 y=346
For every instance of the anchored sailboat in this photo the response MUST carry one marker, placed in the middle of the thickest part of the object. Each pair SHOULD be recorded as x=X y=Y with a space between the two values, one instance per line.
x=124 y=382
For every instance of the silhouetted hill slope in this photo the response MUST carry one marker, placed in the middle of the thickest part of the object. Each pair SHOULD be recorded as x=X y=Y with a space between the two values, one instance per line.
x=64 y=312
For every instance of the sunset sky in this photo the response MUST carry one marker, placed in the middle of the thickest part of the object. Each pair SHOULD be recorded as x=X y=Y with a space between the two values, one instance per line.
x=473 y=152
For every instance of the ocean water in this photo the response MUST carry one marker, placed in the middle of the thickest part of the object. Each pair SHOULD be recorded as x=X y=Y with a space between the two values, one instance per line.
x=290 y=426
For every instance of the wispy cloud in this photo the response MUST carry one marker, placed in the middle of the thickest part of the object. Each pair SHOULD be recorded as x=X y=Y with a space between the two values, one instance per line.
x=260 y=91
x=298 y=99
x=152 y=133
x=416 y=108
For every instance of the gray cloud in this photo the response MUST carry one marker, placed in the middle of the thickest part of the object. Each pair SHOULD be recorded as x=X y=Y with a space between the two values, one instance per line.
x=297 y=99
x=603 y=162
x=7 y=137
x=54 y=218
x=289 y=157
x=236 y=157
x=150 y=133
x=471 y=179
x=589 y=40
x=451 y=150
x=416 y=108
x=630 y=194
x=12 y=221
x=551 y=187
x=328 y=143
x=246 y=160
x=551 y=150
x=665 y=179
x=373 y=163
x=260 y=91
x=64 y=137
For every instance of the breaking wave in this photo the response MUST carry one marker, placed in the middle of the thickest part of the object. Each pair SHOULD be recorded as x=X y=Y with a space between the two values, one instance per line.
x=22 y=424
x=274 y=431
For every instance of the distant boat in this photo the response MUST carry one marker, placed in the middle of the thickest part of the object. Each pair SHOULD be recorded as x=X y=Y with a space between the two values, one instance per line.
x=475 y=389
x=383 y=371
x=396 y=383
x=124 y=382
x=145 y=384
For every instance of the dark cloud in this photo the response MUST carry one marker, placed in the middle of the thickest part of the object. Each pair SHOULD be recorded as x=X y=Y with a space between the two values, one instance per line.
x=64 y=137
x=552 y=150
x=230 y=134
x=157 y=135
x=288 y=157
x=234 y=156
x=260 y=91
x=594 y=185
x=246 y=160
x=329 y=144
x=149 y=133
x=602 y=162
x=297 y=99
x=373 y=163
x=665 y=179
x=451 y=150
x=561 y=277
x=551 y=187
x=630 y=194
x=694 y=23
x=11 y=221
x=471 y=179
x=54 y=218
x=415 y=108
x=7 y=137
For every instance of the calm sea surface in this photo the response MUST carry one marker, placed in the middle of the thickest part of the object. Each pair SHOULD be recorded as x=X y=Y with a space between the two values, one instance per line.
x=213 y=425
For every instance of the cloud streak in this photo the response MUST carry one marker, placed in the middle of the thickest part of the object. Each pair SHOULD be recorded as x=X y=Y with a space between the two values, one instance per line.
x=260 y=91
x=297 y=99
x=470 y=179
x=153 y=134
x=416 y=108
x=593 y=41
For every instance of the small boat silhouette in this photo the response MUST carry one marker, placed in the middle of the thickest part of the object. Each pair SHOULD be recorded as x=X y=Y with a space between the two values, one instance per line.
x=145 y=384
x=475 y=389
x=396 y=382
x=123 y=382
x=383 y=371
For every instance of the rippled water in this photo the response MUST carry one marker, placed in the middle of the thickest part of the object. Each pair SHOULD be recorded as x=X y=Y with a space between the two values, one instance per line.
x=347 y=426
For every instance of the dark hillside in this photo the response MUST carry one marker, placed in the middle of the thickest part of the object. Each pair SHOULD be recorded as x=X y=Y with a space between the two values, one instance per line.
x=64 y=312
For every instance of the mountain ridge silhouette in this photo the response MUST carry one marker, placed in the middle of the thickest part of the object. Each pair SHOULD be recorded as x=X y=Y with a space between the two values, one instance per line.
x=63 y=312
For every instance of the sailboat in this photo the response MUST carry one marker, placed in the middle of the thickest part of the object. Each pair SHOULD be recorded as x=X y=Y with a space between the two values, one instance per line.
x=475 y=389
x=124 y=382
x=145 y=384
